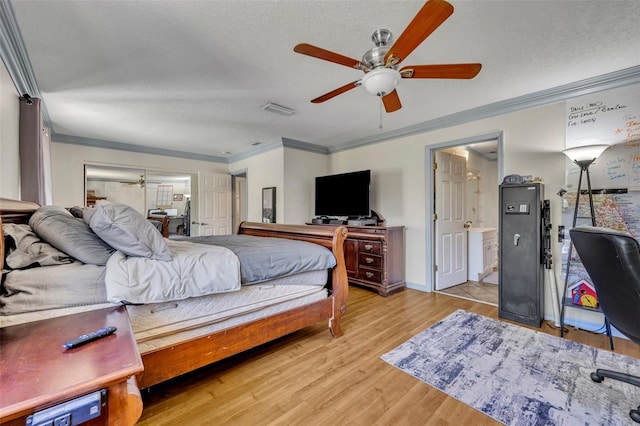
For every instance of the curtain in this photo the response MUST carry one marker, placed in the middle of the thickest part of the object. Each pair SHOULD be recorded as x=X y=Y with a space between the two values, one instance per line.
x=35 y=157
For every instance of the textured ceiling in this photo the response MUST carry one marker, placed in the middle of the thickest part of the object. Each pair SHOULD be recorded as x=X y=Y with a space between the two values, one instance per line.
x=192 y=75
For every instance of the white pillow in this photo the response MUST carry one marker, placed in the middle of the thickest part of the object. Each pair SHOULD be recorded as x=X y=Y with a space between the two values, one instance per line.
x=126 y=230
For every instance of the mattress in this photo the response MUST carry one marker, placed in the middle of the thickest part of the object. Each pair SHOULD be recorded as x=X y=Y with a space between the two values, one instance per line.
x=164 y=324
x=160 y=325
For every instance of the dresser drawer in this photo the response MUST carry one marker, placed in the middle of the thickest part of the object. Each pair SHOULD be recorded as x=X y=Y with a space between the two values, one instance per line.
x=370 y=261
x=373 y=247
x=370 y=275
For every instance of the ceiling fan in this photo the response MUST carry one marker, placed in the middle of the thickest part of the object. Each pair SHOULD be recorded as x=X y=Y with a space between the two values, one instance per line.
x=140 y=183
x=380 y=64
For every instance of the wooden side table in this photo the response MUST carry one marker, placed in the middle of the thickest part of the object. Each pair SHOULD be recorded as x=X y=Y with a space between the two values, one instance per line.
x=36 y=372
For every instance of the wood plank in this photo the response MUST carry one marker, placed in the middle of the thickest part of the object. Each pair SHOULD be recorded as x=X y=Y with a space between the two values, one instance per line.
x=310 y=378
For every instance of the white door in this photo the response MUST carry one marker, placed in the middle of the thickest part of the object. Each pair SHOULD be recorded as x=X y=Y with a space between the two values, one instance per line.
x=214 y=204
x=450 y=233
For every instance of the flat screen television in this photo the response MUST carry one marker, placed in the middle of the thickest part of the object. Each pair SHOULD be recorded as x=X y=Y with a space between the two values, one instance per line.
x=345 y=194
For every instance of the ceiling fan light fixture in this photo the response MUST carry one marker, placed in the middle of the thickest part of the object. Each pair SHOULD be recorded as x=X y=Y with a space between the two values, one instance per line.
x=381 y=81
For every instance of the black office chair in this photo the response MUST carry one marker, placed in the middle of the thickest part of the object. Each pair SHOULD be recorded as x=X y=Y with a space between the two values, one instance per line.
x=612 y=260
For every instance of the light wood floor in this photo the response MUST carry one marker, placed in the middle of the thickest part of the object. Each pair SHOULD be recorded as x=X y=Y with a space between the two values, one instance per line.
x=309 y=378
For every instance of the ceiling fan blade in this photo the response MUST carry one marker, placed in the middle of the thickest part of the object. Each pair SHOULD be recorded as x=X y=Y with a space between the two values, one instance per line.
x=463 y=71
x=320 y=53
x=432 y=14
x=391 y=101
x=335 y=92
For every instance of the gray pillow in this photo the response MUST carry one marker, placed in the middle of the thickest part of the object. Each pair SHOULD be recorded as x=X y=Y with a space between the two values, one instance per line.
x=56 y=226
x=128 y=231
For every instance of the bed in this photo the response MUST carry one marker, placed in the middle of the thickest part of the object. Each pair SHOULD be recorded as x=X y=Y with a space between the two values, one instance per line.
x=191 y=332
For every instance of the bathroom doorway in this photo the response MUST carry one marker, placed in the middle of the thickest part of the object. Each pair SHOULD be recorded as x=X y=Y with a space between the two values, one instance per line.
x=466 y=239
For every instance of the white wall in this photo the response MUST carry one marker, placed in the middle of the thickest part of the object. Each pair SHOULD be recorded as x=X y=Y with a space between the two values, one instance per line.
x=263 y=171
x=9 y=135
x=68 y=162
x=300 y=170
x=292 y=172
x=533 y=141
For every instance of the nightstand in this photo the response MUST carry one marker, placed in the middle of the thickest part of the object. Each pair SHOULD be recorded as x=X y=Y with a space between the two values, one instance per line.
x=37 y=373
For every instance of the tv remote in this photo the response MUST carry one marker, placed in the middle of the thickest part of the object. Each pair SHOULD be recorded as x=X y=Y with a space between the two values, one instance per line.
x=89 y=337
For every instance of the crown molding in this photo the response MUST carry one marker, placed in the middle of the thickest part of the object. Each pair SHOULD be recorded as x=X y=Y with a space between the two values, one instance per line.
x=304 y=146
x=14 y=53
x=16 y=59
x=608 y=81
x=99 y=143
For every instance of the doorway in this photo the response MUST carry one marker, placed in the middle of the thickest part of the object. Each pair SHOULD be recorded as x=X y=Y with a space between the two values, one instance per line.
x=462 y=204
x=240 y=197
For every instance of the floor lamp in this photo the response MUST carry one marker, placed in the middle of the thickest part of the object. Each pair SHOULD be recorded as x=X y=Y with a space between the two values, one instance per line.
x=583 y=157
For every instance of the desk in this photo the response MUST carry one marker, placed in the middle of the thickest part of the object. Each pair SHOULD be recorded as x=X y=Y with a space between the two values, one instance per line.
x=37 y=373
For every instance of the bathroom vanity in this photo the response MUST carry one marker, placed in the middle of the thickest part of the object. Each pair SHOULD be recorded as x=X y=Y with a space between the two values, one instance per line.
x=482 y=247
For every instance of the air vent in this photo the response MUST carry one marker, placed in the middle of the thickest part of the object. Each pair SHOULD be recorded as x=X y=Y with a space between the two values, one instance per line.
x=278 y=109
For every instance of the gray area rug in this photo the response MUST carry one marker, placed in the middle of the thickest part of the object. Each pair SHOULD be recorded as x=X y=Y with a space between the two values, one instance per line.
x=516 y=375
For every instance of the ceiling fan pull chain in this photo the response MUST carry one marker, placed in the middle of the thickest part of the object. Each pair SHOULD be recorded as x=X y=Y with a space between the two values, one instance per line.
x=380 y=125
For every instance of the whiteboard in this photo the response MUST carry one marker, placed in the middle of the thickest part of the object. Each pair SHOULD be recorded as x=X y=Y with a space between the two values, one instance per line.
x=611 y=117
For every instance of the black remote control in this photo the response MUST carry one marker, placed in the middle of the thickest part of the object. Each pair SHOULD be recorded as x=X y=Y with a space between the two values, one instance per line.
x=89 y=337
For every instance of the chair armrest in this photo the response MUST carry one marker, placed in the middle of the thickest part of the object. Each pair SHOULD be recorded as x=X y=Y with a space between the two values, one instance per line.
x=164 y=219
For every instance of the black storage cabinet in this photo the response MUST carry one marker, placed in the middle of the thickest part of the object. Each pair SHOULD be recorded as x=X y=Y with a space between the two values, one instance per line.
x=521 y=282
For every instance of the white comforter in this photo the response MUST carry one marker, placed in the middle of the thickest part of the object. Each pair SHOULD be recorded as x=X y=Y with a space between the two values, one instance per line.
x=195 y=270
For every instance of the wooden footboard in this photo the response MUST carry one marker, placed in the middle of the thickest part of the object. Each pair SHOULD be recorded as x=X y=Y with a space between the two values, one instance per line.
x=328 y=237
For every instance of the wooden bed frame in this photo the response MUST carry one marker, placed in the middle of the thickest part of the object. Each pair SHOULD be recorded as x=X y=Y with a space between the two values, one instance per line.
x=166 y=363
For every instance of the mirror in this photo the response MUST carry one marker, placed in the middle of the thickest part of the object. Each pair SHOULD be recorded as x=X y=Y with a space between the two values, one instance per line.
x=167 y=193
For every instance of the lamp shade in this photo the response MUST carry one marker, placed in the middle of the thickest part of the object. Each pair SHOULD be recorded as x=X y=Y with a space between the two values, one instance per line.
x=585 y=153
x=381 y=81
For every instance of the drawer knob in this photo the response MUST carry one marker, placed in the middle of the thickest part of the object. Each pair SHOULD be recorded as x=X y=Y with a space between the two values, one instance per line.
x=368 y=246
x=368 y=260
x=369 y=274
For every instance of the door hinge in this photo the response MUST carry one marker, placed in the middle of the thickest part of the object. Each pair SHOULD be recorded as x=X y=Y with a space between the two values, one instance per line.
x=435 y=216
x=435 y=268
x=435 y=166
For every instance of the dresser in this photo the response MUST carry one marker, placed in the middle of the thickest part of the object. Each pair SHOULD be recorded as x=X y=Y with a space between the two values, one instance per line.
x=374 y=257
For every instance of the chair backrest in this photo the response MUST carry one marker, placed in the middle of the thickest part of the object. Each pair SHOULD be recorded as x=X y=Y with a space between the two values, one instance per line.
x=612 y=260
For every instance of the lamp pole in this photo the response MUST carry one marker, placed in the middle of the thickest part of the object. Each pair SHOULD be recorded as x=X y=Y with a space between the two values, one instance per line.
x=583 y=157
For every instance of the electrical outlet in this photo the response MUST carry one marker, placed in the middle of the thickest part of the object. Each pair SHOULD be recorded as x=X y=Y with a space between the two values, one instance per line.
x=63 y=420
x=73 y=412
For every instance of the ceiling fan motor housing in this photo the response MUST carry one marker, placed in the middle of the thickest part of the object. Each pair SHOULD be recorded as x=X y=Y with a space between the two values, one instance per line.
x=374 y=57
